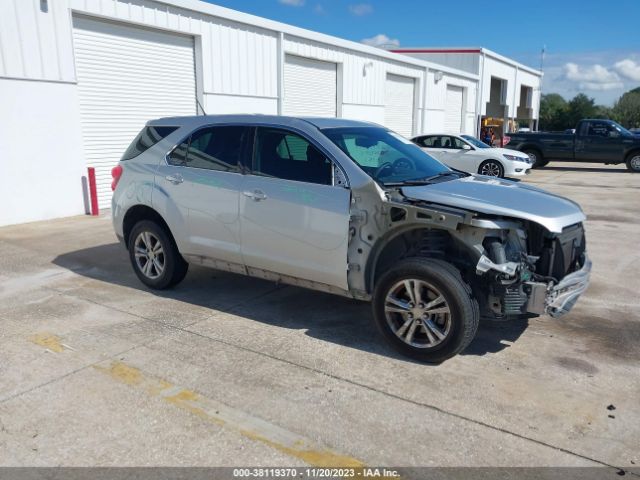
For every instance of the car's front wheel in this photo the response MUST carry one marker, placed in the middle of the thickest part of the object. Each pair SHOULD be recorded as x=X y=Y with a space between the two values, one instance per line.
x=425 y=310
x=491 y=168
x=155 y=257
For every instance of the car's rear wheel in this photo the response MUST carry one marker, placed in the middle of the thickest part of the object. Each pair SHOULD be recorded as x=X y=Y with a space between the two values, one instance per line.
x=537 y=159
x=491 y=168
x=155 y=257
x=425 y=310
x=633 y=162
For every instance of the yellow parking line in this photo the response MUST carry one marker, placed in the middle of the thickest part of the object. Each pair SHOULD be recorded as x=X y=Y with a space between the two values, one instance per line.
x=47 y=340
x=215 y=412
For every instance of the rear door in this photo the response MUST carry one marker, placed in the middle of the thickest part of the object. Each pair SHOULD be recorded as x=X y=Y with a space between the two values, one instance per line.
x=201 y=183
x=433 y=145
x=294 y=220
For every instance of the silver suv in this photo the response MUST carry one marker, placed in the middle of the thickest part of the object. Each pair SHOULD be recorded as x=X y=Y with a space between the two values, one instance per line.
x=349 y=208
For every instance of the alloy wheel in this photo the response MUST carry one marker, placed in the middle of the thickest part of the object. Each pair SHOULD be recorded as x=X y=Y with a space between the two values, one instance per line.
x=149 y=255
x=490 y=169
x=635 y=163
x=417 y=313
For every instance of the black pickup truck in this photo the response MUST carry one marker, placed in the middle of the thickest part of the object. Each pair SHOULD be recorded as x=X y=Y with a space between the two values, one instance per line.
x=601 y=141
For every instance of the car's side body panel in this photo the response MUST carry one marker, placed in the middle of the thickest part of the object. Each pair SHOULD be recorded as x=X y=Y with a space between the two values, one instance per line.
x=137 y=187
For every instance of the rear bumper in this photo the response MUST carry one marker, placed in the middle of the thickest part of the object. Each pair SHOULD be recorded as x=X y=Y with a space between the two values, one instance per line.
x=565 y=294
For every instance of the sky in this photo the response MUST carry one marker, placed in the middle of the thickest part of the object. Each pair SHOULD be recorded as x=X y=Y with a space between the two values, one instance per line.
x=592 y=46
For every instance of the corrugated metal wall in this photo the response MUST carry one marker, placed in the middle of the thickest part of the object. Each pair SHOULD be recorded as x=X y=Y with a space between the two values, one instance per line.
x=236 y=59
x=364 y=75
x=36 y=43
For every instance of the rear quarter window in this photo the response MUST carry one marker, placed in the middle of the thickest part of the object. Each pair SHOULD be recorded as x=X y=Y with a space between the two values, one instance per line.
x=146 y=139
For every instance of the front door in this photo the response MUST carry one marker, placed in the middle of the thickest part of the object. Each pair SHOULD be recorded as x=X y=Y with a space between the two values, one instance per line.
x=202 y=182
x=294 y=221
x=457 y=156
x=433 y=145
x=598 y=141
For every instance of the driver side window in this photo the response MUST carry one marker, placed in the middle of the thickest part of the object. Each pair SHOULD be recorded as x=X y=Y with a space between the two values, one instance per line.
x=286 y=155
x=598 y=129
x=447 y=142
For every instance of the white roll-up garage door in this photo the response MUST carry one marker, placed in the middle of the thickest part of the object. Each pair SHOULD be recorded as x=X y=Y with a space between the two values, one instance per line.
x=399 y=104
x=453 y=110
x=127 y=76
x=310 y=87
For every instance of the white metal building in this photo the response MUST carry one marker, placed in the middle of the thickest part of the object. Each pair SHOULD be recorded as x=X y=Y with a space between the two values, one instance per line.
x=509 y=91
x=79 y=78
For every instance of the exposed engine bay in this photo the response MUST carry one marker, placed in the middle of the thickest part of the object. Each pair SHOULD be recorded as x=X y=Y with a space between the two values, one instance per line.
x=524 y=266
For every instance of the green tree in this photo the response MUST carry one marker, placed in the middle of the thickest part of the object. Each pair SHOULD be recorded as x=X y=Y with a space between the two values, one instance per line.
x=579 y=107
x=553 y=109
x=602 y=111
x=626 y=110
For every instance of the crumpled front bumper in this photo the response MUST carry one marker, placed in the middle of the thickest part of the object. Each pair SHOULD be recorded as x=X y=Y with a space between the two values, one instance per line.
x=563 y=296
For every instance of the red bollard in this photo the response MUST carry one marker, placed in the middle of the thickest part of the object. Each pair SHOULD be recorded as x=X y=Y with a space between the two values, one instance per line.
x=93 y=191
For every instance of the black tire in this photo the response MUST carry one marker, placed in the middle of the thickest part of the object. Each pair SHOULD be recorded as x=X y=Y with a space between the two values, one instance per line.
x=463 y=316
x=633 y=162
x=491 y=168
x=537 y=159
x=174 y=266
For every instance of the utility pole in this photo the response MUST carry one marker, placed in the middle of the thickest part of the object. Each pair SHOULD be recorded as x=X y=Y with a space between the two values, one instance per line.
x=542 y=54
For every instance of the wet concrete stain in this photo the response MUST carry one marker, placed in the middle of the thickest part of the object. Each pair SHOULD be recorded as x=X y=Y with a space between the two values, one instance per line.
x=577 y=365
x=617 y=336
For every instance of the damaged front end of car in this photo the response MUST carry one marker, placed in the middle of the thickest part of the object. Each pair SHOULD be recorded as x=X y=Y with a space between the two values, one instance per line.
x=526 y=270
x=519 y=260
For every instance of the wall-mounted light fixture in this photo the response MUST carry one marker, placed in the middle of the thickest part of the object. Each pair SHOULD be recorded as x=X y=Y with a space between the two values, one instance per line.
x=438 y=76
x=367 y=66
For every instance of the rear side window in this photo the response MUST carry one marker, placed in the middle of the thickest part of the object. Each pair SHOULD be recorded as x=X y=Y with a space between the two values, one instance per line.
x=212 y=148
x=146 y=139
x=430 y=142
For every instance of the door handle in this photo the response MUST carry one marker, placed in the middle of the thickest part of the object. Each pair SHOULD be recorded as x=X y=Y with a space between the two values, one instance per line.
x=256 y=195
x=175 y=179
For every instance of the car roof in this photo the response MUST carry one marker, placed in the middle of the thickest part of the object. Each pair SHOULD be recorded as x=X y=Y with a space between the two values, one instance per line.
x=438 y=135
x=256 y=119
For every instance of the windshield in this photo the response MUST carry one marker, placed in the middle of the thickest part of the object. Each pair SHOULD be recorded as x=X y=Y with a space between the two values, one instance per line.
x=384 y=155
x=475 y=142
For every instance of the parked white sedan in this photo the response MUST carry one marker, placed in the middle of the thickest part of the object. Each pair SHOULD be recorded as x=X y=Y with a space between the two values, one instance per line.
x=469 y=154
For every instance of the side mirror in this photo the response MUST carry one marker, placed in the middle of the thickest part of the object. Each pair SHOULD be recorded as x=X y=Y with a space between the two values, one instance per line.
x=466 y=147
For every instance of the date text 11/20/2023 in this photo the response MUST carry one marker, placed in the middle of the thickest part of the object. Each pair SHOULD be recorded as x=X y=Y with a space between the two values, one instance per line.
x=361 y=472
